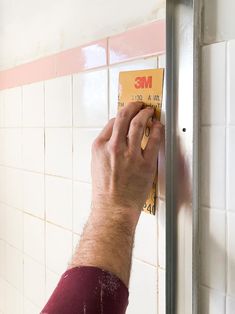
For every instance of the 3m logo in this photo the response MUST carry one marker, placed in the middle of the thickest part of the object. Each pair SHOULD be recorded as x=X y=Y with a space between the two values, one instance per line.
x=143 y=82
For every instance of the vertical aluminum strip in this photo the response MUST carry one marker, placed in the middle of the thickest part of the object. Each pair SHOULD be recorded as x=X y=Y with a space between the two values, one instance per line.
x=181 y=156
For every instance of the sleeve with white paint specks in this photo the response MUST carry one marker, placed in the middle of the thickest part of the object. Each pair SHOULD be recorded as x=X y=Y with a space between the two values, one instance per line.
x=88 y=290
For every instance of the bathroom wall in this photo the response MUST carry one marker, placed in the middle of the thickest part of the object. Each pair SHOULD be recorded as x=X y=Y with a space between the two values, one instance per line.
x=217 y=213
x=50 y=112
x=33 y=29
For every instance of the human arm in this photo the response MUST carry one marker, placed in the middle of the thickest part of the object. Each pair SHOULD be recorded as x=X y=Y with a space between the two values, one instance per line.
x=122 y=175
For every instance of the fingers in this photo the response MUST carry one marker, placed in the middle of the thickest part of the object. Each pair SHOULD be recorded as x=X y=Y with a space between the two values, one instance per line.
x=137 y=127
x=122 y=121
x=106 y=133
x=154 y=141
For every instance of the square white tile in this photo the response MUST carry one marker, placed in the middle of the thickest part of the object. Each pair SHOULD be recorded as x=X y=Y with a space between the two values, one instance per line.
x=90 y=99
x=161 y=291
x=34 y=238
x=58 y=157
x=230 y=82
x=14 y=188
x=13 y=107
x=52 y=280
x=145 y=245
x=213 y=84
x=141 y=64
x=231 y=254
x=58 y=102
x=2 y=259
x=213 y=167
x=14 y=227
x=231 y=169
x=33 y=105
x=58 y=248
x=2 y=296
x=30 y=308
x=2 y=107
x=212 y=248
x=14 y=267
x=34 y=281
x=81 y=205
x=33 y=193
x=230 y=305
x=3 y=190
x=83 y=139
x=12 y=139
x=2 y=221
x=14 y=300
x=59 y=201
x=222 y=27
x=33 y=149
x=143 y=278
x=162 y=234
x=211 y=302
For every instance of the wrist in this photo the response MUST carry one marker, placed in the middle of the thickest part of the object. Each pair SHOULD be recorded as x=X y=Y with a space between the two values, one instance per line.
x=116 y=214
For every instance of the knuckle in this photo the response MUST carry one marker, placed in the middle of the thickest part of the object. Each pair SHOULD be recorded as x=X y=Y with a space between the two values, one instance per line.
x=137 y=124
x=123 y=113
x=114 y=147
x=96 y=144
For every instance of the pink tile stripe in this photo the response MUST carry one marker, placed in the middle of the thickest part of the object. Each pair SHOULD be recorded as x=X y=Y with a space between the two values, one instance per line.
x=139 y=42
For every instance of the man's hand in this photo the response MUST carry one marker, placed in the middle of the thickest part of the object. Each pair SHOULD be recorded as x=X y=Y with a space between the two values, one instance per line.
x=122 y=175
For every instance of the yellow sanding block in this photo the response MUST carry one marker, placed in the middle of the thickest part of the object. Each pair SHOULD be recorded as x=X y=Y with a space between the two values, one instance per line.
x=145 y=86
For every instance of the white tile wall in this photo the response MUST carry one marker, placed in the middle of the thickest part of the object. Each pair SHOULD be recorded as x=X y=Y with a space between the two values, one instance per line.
x=2 y=259
x=46 y=132
x=14 y=227
x=218 y=21
x=145 y=246
x=230 y=81
x=213 y=105
x=59 y=201
x=231 y=254
x=217 y=222
x=58 y=155
x=230 y=305
x=33 y=193
x=34 y=238
x=213 y=157
x=90 y=110
x=58 y=102
x=58 y=248
x=140 y=301
x=36 y=271
x=81 y=205
x=83 y=139
x=33 y=149
x=211 y=302
x=13 y=107
x=14 y=267
x=212 y=243
x=14 y=300
x=231 y=169
x=30 y=308
x=33 y=105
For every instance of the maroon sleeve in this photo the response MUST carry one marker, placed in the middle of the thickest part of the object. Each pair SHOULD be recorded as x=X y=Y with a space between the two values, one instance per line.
x=88 y=290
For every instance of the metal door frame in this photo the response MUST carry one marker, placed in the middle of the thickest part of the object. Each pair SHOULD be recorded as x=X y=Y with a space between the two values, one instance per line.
x=182 y=121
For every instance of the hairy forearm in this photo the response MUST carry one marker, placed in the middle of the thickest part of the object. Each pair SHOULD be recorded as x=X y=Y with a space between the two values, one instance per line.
x=107 y=241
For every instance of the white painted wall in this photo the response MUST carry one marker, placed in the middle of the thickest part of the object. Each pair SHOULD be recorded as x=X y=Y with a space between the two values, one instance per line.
x=31 y=29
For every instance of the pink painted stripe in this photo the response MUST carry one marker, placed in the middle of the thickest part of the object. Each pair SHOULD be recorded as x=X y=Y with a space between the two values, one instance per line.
x=142 y=41
x=138 y=42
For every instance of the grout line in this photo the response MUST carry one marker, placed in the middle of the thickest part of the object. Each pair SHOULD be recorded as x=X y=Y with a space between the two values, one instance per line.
x=226 y=173
x=44 y=188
